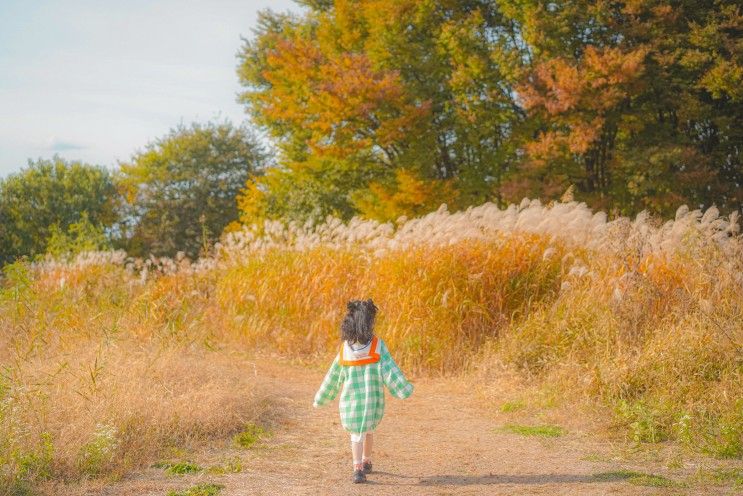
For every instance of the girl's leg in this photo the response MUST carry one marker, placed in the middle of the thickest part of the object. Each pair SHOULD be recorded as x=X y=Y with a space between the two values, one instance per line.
x=357 y=449
x=368 y=445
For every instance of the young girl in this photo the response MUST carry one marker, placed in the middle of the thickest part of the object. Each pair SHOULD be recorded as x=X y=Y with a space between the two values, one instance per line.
x=363 y=367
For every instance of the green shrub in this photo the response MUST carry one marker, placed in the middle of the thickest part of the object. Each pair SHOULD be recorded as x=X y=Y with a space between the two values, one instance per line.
x=100 y=451
x=250 y=435
x=180 y=468
x=644 y=423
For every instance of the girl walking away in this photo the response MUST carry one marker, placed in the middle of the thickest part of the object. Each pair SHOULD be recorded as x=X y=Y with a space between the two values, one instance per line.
x=362 y=368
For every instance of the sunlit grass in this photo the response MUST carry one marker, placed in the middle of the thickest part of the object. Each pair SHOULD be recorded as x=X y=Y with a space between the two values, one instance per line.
x=108 y=361
x=535 y=430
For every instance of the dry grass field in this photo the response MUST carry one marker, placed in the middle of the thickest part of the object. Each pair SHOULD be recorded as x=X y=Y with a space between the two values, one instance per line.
x=107 y=364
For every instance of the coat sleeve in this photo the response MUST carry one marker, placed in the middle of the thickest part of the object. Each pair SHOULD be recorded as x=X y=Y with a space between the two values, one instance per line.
x=393 y=377
x=330 y=385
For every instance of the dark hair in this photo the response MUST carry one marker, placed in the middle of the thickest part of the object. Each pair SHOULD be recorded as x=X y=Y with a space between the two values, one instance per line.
x=358 y=326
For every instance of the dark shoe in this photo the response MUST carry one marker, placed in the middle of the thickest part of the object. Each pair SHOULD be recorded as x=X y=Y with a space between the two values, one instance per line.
x=358 y=476
x=367 y=467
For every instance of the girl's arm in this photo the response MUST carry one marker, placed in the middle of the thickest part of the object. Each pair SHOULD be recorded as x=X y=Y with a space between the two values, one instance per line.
x=330 y=385
x=393 y=377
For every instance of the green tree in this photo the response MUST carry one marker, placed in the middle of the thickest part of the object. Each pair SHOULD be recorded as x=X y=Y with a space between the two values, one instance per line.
x=80 y=237
x=48 y=195
x=181 y=190
x=313 y=189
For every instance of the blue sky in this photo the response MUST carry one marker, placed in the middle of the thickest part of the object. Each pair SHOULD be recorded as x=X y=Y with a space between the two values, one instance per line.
x=98 y=80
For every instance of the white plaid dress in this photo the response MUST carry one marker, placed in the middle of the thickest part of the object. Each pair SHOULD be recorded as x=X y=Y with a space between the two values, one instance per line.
x=362 y=398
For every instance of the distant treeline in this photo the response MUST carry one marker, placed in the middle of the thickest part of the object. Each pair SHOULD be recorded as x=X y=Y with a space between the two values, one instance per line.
x=176 y=195
x=383 y=108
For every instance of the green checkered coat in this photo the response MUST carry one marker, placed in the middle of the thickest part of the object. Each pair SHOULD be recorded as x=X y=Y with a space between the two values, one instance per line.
x=362 y=400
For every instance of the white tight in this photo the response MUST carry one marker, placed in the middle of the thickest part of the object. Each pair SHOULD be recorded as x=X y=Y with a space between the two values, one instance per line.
x=361 y=447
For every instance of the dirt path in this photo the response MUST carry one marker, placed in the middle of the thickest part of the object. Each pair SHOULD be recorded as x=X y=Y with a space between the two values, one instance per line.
x=438 y=442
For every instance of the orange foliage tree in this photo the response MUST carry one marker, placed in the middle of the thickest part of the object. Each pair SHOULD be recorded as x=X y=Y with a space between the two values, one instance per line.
x=374 y=87
x=634 y=102
x=637 y=104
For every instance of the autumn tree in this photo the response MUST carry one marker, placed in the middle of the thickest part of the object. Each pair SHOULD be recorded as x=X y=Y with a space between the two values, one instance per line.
x=385 y=107
x=375 y=86
x=637 y=103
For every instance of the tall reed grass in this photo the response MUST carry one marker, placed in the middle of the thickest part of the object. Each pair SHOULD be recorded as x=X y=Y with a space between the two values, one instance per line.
x=640 y=314
x=98 y=376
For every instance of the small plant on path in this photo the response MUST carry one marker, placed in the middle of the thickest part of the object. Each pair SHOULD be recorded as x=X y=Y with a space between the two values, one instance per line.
x=512 y=406
x=232 y=466
x=535 y=430
x=250 y=435
x=199 y=490
x=178 y=468
x=637 y=478
x=722 y=475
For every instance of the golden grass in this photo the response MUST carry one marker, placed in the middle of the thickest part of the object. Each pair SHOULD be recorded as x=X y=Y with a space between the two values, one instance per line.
x=92 y=386
x=438 y=305
x=106 y=360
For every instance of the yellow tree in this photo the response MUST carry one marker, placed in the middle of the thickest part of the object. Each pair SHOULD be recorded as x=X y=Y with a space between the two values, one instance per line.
x=375 y=87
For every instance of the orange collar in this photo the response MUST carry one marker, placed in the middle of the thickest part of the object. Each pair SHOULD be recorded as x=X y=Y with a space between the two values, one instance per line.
x=372 y=358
